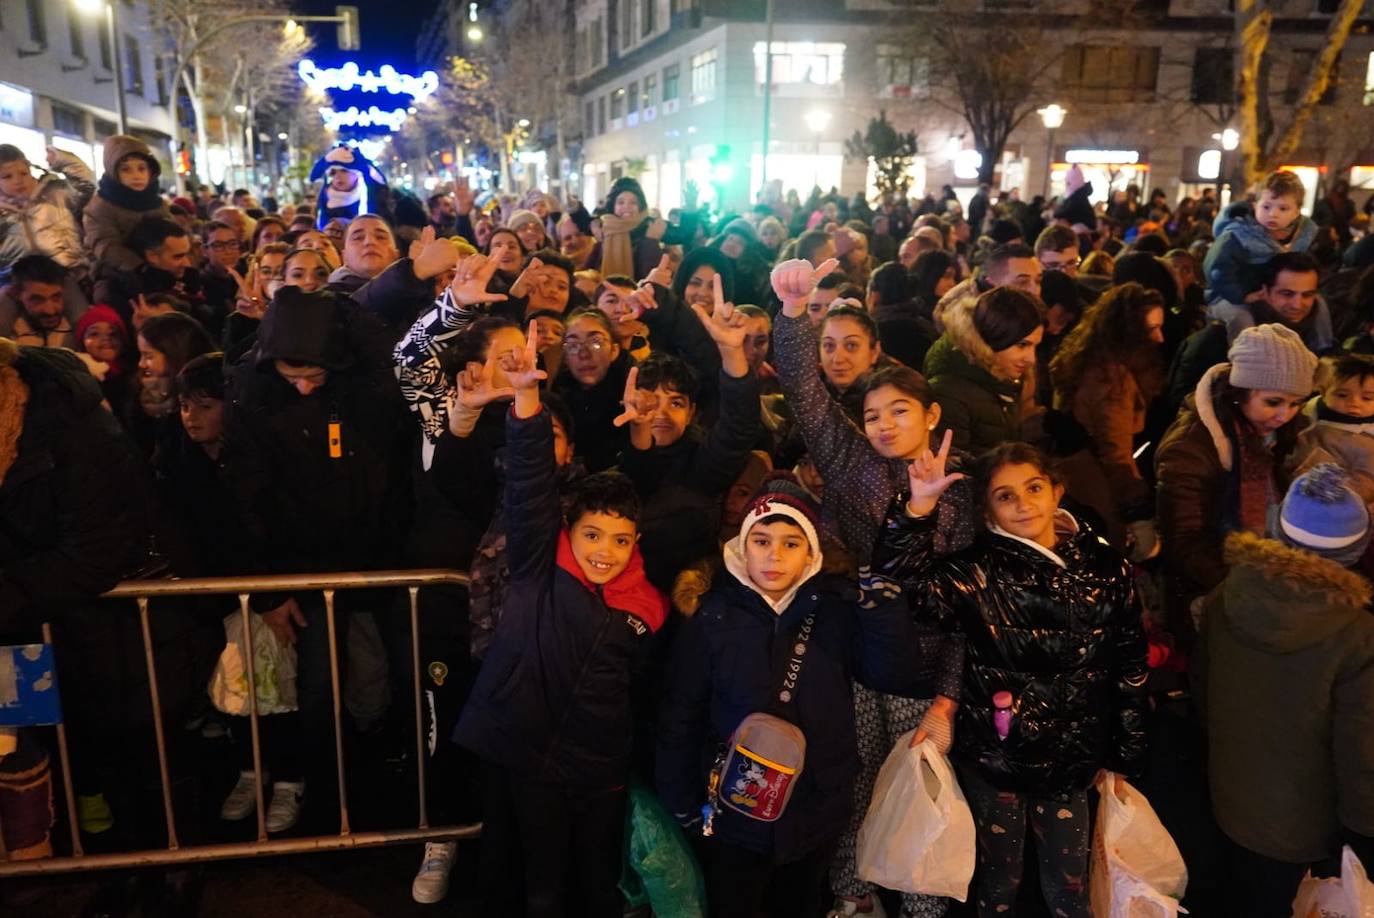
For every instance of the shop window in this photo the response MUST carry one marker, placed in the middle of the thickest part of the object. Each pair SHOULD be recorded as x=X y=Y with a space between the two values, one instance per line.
x=67 y=120
x=1111 y=74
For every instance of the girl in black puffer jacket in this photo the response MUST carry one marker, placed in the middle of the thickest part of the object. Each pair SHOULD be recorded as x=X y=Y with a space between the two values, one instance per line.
x=1048 y=614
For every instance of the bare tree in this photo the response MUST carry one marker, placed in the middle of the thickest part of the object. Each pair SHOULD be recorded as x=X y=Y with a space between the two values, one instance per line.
x=1262 y=144
x=206 y=40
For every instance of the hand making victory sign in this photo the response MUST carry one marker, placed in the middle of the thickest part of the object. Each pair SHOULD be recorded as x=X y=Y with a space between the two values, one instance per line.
x=928 y=480
x=521 y=367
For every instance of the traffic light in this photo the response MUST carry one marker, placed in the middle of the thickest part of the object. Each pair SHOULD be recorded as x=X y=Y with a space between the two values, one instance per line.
x=347 y=35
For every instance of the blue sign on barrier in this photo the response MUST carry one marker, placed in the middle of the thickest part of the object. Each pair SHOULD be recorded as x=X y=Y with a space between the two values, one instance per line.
x=28 y=686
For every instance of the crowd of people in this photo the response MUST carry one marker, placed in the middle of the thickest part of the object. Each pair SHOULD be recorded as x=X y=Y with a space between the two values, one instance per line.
x=1051 y=486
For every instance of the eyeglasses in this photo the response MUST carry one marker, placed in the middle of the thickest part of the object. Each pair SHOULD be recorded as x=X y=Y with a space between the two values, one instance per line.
x=224 y=245
x=1061 y=265
x=586 y=348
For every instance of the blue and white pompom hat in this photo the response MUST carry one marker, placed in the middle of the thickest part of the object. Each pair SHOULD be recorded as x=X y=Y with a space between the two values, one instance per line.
x=1321 y=514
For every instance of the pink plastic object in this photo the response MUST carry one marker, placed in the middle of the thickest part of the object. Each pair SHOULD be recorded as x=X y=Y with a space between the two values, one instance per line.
x=1001 y=717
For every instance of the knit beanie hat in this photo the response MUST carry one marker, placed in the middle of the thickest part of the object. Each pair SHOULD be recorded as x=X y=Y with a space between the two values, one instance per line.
x=1271 y=357
x=522 y=217
x=780 y=495
x=1321 y=514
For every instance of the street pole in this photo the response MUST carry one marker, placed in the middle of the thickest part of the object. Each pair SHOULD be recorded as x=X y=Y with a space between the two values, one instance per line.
x=117 y=65
x=1049 y=163
x=767 y=89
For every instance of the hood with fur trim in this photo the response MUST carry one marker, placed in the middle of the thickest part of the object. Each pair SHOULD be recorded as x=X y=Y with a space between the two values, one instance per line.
x=1206 y=410
x=1281 y=599
x=969 y=354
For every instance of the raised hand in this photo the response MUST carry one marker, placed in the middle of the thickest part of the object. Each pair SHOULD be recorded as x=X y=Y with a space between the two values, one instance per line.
x=476 y=389
x=521 y=365
x=418 y=246
x=725 y=326
x=927 y=478
x=470 y=279
x=793 y=281
x=638 y=403
x=663 y=274
x=527 y=278
x=250 y=301
x=435 y=257
x=463 y=197
x=639 y=301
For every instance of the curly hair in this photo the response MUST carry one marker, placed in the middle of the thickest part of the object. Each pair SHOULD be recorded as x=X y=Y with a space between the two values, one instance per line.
x=1110 y=330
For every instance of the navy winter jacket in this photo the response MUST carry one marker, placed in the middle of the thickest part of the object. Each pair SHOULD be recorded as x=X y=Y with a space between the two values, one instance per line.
x=554 y=699
x=722 y=670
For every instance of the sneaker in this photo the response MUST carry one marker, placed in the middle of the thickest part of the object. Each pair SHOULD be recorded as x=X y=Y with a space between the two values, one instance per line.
x=285 y=808
x=431 y=883
x=848 y=908
x=242 y=800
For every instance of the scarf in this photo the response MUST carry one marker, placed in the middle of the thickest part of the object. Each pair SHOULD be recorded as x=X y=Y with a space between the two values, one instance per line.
x=1331 y=416
x=125 y=197
x=617 y=249
x=1256 y=477
x=630 y=591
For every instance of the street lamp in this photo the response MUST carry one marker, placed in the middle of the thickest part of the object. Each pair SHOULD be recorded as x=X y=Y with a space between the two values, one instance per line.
x=1230 y=139
x=96 y=7
x=1052 y=116
x=818 y=119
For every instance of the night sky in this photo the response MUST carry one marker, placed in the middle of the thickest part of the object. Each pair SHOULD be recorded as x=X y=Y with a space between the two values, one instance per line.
x=388 y=29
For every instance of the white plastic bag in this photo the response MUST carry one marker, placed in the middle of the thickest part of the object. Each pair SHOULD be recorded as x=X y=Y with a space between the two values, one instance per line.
x=1137 y=870
x=274 y=670
x=918 y=834
x=1351 y=896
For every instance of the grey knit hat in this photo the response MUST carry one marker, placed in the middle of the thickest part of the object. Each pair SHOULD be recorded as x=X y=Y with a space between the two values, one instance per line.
x=521 y=217
x=1272 y=357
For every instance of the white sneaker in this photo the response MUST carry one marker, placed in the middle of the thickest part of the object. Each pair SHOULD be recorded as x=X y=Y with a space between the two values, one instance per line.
x=285 y=809
x=242 y=800
x=431 y=883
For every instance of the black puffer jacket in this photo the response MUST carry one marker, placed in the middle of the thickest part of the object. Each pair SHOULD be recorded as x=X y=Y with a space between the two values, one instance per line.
x=1065 y=641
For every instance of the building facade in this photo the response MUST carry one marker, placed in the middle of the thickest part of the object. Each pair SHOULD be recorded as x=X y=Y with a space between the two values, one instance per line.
x=57 y=83
x=672 y=91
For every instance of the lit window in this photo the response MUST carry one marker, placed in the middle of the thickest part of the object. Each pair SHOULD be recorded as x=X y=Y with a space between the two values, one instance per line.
x=1369 y=81
x=704 y=75
x=820 y=63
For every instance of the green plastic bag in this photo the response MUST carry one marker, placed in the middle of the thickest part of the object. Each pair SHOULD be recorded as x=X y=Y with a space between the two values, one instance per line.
x=660 y=869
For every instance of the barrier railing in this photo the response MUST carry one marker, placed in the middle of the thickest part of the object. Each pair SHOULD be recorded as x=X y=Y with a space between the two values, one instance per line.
x=141 y=591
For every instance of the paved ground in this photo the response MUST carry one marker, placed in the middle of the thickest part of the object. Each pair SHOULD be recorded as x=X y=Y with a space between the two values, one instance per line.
x=352 y=884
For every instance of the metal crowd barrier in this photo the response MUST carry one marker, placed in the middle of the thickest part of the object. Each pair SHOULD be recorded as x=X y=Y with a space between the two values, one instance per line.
x=143 y=590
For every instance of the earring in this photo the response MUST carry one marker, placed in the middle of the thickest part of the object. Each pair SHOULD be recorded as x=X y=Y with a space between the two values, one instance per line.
x=930 y=427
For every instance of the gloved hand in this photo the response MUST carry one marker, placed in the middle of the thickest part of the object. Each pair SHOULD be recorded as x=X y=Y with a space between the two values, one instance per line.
x=1142 y=540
